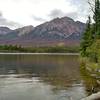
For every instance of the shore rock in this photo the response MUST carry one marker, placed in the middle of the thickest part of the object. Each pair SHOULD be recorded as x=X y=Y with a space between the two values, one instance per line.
x=93 y=97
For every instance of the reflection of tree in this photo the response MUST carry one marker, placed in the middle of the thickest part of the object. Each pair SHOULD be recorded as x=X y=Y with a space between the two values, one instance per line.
x=90 y=82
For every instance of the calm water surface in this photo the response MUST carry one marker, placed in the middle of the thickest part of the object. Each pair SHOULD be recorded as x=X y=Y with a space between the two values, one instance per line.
x=40 y=77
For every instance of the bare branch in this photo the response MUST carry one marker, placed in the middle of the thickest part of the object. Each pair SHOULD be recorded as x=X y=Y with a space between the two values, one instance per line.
x=91 y=6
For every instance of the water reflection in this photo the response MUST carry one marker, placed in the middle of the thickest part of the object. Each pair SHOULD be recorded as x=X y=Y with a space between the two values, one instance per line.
x=39 y=77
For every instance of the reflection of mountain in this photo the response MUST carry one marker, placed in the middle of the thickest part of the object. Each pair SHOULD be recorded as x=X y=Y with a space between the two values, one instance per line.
x=55 y=70
x=57 y=31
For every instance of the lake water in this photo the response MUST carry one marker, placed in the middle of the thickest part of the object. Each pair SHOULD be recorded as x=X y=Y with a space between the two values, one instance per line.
x=40 y=77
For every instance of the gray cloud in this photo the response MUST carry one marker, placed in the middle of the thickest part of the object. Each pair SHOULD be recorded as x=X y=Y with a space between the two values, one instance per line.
x=59 y=13
x=0 y=14
x=56 y=13
x=73 y=15
x=78 y=2
x=83 y=9
x=7 y=23
x=38 y=18
x=82 y=5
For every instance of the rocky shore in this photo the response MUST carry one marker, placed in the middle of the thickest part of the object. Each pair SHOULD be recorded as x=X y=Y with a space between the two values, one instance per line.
x=93 y=97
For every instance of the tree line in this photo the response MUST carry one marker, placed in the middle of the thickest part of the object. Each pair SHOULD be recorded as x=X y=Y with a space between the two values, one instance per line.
x=55 y=49
x=90 y=44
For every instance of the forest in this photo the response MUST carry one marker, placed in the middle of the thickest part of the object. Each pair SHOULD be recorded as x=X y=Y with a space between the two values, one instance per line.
x=90 y=44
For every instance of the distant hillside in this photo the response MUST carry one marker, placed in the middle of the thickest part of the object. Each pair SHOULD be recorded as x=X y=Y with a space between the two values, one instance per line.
x=4 y=30
x=59 y=31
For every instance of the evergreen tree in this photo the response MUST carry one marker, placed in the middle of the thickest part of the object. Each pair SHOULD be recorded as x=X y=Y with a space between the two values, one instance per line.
x=92 y=31
x=87 y=38
x=90 y=45
x=97 y=18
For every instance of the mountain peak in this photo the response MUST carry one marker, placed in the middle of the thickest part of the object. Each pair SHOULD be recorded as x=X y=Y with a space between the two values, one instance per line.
x=63 y=19
x=58 y=30
x=67 y=19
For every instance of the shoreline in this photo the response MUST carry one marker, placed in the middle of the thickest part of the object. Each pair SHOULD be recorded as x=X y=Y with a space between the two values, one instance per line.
x=2 y=53
x=95 y=96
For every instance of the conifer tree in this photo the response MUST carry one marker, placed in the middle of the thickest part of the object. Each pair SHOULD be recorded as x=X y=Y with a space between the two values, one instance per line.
x=92 y=30
x=97 y=18
x=87 y=38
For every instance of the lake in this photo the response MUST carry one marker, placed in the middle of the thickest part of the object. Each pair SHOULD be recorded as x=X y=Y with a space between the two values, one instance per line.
x=41 y=77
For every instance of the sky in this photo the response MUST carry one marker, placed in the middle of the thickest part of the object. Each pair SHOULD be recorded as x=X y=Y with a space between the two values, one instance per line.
x=18 y=13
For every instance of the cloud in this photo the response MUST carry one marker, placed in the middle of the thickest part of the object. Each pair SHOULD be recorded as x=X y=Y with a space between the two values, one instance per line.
x=35 y=12
x=83 y=9
x=79 y=2
x=56 y=13
x=81 y=5
x=73 y=15
x=6 y=23
x=59 y=13
x=38 y=18
x=0 y=14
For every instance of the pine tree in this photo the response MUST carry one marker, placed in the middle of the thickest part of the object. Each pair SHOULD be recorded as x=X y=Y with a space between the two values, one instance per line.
x=92 y=33
x=87 y=38
x=97 y=18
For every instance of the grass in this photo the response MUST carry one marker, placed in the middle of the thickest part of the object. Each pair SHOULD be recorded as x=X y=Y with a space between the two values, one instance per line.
x=92 y=67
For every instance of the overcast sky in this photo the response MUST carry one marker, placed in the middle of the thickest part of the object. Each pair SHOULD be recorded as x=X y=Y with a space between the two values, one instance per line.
x=17 y=13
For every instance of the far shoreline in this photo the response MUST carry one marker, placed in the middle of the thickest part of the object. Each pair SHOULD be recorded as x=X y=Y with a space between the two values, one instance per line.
x=11 y=53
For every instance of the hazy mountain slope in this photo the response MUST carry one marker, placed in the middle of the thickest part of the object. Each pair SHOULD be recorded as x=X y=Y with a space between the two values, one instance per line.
x=59 y=31
x=4 y=30
x=59 y=28
x=17 y=33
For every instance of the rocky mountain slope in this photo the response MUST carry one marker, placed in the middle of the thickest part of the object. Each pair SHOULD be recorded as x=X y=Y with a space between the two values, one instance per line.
x=17 y=33
x=59 y=31
x=4 y=30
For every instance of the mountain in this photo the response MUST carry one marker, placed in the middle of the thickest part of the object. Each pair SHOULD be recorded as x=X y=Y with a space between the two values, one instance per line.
x=59 y=31
x=23 y=31
x=4 y=30
x=17 y=33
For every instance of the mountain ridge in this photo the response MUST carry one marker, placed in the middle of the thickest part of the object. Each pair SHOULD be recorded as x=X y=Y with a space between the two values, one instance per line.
x=4 y=30
x=57 y=31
